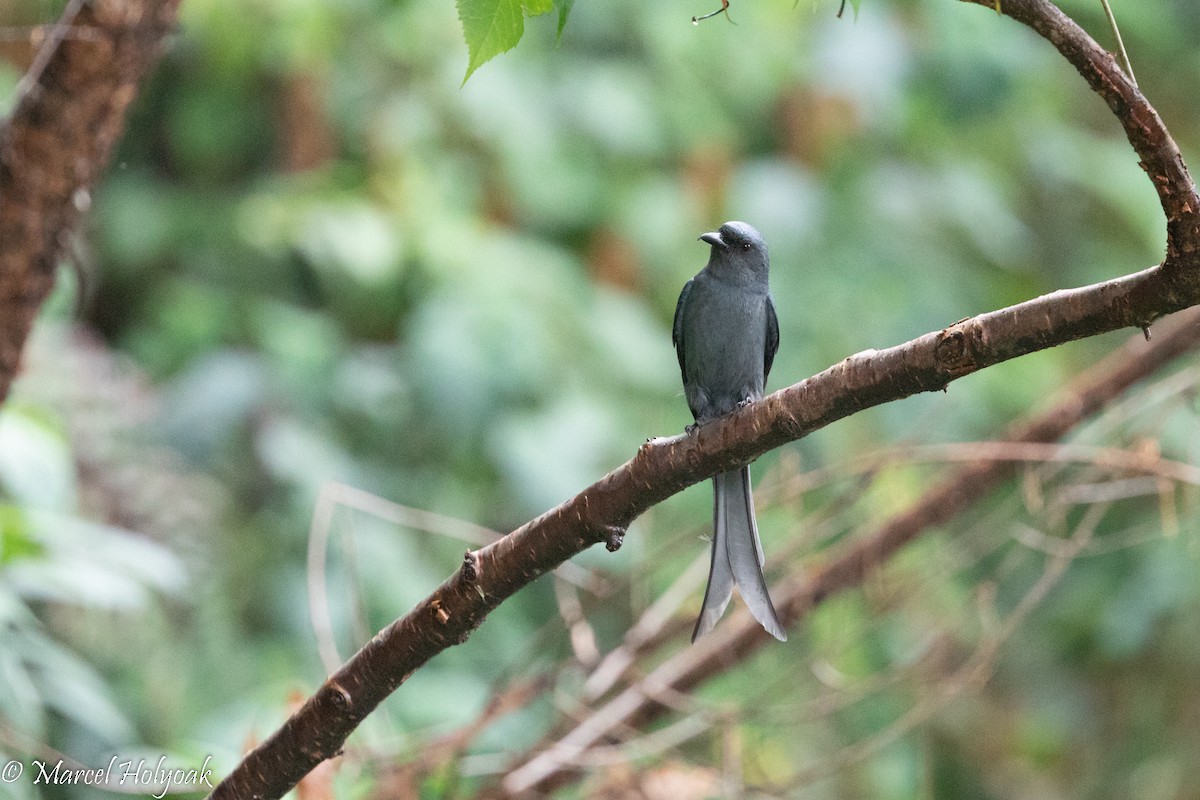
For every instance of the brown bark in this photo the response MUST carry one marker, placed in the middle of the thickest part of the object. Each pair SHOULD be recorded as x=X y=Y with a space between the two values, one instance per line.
x=68 y=116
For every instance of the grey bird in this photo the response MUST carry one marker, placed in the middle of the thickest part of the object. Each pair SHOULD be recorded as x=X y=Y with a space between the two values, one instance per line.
x=726 y=334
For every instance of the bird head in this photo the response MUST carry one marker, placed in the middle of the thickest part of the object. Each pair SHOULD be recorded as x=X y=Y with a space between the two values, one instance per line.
x=737 y=250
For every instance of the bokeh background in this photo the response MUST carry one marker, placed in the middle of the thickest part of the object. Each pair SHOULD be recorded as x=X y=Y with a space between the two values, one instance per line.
x=319 y=256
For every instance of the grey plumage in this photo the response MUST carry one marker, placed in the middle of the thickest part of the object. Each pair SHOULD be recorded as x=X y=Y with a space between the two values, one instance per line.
x=725 y=336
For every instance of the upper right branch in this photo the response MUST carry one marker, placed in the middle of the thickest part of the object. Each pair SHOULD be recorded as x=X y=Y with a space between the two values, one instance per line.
x=1158 y=154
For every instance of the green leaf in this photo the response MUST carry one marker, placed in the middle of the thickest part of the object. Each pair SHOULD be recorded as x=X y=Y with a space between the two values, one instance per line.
x=15 y=541
x=564 y=10
x=492 y=27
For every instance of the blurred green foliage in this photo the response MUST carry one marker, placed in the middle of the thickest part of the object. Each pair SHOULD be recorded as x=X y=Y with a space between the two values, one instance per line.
x=318 y=255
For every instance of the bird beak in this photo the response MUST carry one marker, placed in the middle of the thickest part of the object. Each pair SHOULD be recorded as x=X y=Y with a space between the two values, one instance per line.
x=713 y=238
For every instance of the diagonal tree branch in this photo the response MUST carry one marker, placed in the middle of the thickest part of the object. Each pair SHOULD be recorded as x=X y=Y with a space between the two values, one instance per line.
x=68 y=116
x=663 y=467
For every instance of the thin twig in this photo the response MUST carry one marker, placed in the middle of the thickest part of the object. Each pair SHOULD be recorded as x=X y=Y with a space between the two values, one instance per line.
x=973 y=673
x=1112 y=21
x=58 y=33
x=334 y=494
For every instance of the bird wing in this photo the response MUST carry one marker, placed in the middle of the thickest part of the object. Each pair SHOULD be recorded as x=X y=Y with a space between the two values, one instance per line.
x=677 y=327
x=772 y=337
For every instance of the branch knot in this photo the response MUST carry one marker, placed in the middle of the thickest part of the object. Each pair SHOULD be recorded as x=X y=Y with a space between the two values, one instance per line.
x=470 y=567
x=952 y=353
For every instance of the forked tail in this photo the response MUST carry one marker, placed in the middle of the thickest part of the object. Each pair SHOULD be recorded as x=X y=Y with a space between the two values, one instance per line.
x=737 y=557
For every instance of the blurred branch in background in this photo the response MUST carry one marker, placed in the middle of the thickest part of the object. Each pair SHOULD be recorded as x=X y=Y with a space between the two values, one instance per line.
x=337 y=495
x=70 y=111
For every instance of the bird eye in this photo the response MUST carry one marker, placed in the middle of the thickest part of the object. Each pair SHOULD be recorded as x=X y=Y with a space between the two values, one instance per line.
x=746 y=245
